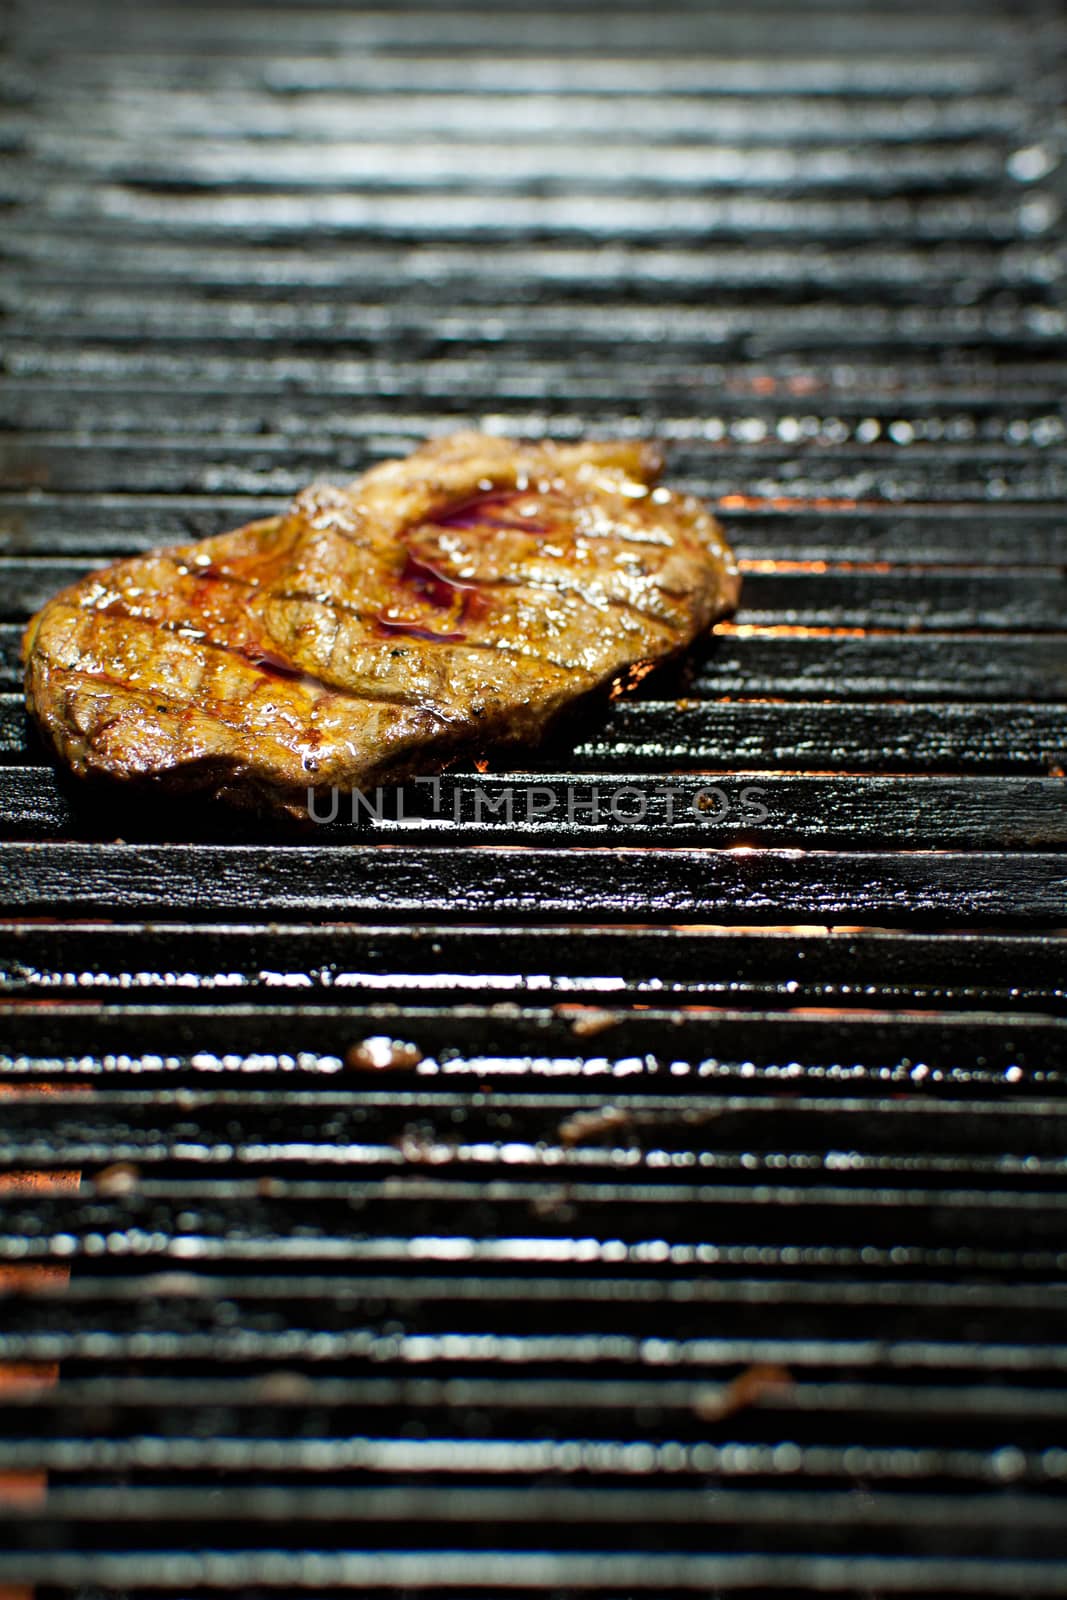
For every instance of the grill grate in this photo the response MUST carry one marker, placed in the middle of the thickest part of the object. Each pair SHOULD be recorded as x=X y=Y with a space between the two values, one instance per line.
x=710 y=1239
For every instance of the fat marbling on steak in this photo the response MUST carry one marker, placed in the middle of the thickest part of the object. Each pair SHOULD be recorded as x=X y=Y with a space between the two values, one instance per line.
x=442 y=604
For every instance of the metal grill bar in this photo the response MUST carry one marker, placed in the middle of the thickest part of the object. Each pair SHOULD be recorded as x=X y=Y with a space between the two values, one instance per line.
x=1009 y=535
x=764 y=737
x=435 y=962
x=877 y=813
x=802 y=666
x=337 y=881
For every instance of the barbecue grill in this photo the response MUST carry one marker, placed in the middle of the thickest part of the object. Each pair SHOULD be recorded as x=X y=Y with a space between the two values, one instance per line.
x=709 y=1235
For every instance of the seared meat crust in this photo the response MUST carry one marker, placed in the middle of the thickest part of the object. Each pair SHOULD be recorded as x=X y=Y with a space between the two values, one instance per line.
x=445 y=603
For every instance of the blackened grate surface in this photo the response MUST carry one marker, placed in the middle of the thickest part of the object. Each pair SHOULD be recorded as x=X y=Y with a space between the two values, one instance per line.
x=717 y=1244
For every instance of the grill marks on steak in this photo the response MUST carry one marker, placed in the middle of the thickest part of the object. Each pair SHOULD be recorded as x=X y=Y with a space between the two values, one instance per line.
x=458 y=598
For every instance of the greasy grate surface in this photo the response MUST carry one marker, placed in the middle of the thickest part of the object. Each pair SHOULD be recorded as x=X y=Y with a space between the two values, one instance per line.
x=715 y=1244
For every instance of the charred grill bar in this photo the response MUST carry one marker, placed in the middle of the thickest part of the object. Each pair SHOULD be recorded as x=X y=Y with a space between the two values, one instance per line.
x=716 y=1241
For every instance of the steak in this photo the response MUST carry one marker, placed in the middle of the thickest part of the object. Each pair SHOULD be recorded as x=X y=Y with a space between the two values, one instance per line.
x=440 y=605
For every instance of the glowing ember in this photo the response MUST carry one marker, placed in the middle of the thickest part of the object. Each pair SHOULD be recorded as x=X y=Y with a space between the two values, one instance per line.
x=379 y=1053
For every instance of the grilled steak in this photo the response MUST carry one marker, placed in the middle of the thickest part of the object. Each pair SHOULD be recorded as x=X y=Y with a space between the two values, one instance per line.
x=441 y=604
